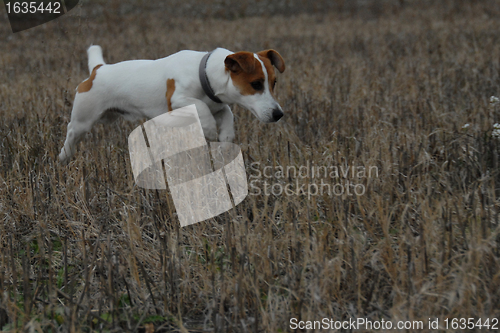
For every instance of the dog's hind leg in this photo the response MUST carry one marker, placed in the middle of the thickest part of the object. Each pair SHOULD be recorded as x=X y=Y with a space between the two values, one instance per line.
x=83 y=117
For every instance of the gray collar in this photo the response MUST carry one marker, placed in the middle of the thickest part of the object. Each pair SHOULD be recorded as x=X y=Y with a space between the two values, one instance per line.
x=205 y=84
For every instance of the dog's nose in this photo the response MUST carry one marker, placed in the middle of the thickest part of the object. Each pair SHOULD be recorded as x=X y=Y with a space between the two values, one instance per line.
x=277 y=114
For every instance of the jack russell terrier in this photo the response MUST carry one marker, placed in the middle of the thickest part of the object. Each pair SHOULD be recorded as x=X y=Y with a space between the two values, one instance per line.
x=148 y=88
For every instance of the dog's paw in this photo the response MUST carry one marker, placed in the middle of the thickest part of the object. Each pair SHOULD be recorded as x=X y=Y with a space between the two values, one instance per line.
x=64 y=157
x=210 y=133
x=226 y=136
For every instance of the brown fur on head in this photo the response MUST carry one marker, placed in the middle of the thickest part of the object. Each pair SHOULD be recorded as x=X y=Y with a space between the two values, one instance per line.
x=244 y=69
x=240 y=61
x=275 y=58
x=272 y=58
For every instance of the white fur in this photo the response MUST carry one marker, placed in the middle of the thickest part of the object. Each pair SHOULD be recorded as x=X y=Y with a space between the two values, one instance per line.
x=95 y=57
x=137 y=88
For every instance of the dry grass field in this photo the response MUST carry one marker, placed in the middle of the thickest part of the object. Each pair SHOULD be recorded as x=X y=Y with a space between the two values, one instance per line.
x=384 y=86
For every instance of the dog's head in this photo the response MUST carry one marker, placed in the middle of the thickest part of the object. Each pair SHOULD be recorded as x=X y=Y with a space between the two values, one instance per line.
x=253 y=80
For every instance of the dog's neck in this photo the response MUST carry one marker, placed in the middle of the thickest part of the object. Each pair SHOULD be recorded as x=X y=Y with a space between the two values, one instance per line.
x=217 y=74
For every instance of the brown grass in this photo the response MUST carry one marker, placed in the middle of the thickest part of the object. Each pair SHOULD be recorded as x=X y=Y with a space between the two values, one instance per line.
x=83 y=249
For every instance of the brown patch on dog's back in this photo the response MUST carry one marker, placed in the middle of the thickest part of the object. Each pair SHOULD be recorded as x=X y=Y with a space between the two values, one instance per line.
x=170 y=92
x=87 y=84
x=244 y=69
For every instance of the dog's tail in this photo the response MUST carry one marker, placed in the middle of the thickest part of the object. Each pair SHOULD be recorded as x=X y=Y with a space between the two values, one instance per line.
x=95 y=57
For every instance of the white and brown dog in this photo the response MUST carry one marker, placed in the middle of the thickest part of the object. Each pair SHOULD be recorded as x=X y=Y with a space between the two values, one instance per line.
x=147 y=88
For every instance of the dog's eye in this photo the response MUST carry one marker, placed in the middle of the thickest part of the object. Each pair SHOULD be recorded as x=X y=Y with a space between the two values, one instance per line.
x=274 y=83
x=257 y=85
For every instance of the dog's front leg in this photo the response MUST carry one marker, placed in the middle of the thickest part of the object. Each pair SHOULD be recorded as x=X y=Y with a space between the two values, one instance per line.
x=206 y=118
x=225 y=123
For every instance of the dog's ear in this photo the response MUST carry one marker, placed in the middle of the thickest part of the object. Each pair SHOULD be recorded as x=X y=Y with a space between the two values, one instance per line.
x=275 y=58
x=240 y=61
